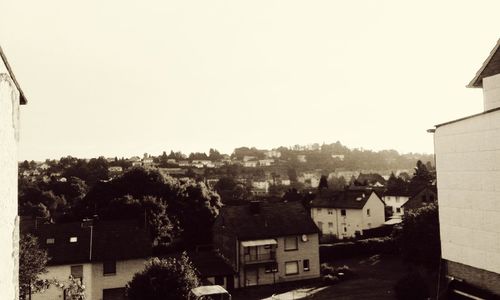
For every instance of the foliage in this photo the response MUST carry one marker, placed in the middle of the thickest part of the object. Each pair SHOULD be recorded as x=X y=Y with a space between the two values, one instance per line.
x=323 y=182
x=412 y=287
x=73 y=289
x=164 y=279
x=32 y=262
x=418 y=237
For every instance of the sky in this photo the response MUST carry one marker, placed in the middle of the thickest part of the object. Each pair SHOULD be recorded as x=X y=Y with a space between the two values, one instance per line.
x=122 y=78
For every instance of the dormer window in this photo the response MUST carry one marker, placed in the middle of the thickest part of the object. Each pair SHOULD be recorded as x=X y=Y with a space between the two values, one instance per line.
x=50 y=241
x=73 y=239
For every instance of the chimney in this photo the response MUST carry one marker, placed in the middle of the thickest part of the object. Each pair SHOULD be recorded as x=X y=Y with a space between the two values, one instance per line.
x=255 y=207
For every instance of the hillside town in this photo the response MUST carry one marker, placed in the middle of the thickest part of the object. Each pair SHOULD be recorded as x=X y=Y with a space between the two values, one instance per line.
x=316 y=221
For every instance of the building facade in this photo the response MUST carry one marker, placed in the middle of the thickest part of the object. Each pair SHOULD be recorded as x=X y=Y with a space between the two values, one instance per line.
x=468 y=181
x=11 y=96
x=104 y=255
x=347 y=214
x=268 y=243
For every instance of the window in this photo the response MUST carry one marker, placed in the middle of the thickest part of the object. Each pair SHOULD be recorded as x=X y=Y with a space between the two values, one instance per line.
x=330 y=225
x=368 y=212
x=345 y=229
x=77 y=272
x=343 y=212
x=305 y=264
x=73 y=239
x=246 y=250
x=398 y=210
x=271 y=268
x=50 y=241
x=291 y=243
x=109 y=267
x=330 y=211
x=291 y=267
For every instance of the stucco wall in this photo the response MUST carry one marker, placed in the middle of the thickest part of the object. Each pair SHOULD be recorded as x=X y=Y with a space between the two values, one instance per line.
x=9 y=118
x=468 y=179
x=396 y=202
x=354 y=220
x=93 y=279
x=491 y=92
x=125 y=270
x=62 y=273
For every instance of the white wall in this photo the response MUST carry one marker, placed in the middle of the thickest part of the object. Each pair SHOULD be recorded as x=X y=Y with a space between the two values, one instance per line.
x=396 y=202
x=491 y=92
x=9 y=118
x=93 y=279
x=468 y=179
x=125 y=270
x=62 y=273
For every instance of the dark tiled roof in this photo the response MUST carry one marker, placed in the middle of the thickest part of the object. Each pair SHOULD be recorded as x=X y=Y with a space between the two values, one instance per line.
x=209 y=264
x=342 y=199
x=490 y=67
x=22 y=98
x=111 y=240
x=272 y=220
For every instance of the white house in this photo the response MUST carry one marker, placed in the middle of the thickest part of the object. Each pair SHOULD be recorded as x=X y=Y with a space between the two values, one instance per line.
x=103 y=255
x=250 y=164
x=346 y=214
x=395 y=200
x=11 y=96
x=266 y=162
x=468 y=181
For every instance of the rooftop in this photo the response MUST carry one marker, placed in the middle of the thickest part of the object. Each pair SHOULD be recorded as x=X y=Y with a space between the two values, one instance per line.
x=266 y=220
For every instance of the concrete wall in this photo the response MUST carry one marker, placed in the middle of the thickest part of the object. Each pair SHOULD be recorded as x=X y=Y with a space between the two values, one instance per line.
x=468 y=178
x=9 y=126
x=491 y=92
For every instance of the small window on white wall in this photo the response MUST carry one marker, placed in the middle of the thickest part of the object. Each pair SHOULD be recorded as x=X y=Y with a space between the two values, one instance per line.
x=291 y=267
x=368 y=212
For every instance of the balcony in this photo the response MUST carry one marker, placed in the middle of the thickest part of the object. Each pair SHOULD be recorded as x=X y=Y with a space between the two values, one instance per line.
x=255 y=258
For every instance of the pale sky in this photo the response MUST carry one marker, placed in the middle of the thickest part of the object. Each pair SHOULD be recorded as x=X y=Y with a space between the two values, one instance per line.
x=120 y=78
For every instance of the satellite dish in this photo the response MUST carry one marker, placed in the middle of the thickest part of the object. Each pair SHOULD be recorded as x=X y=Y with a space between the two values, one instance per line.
x=304 y=237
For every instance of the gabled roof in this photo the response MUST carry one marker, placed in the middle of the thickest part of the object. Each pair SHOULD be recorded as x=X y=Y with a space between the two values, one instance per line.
x=343 y=199
x=22 y=98
x=111 y=240
x=490 y=67
x=272 y=220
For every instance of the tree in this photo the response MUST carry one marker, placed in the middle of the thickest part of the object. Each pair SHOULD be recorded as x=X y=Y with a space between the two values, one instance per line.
x=32 y=262
x=418 y=238
x=292 y=174
x=73 y=289
x=164 y=279
x=323 y=182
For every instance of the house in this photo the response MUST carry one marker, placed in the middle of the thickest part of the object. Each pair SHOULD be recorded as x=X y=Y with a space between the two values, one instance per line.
x=260 y=187
x=301 y=158
x=273 y=154
x=266 y=162
x=115 y=169
x=104 y=255
x=213 y=268
x=268 y=242
x=11 y=97
x=467 y=154
x=338 y=156
x=422 y=198
x=345 y=214
x=184 y=163
x=395 y=200
x=250 y=164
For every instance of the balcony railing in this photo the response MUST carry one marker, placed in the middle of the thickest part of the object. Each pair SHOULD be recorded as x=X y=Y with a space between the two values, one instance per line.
x=260 y=257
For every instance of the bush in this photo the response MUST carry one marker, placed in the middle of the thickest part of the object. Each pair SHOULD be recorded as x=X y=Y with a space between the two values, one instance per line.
x=412 y=287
